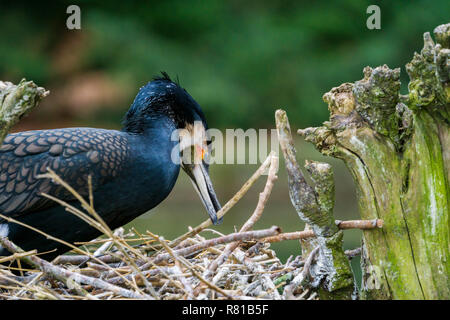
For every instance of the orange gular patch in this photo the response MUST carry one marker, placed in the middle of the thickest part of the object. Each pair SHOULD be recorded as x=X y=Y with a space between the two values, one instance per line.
x=200 y=151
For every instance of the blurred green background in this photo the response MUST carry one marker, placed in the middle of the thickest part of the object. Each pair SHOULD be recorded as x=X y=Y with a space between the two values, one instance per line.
x=239 y=60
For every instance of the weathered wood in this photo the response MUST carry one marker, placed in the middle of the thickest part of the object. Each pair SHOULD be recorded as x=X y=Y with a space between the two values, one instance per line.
x=331 y=274
x=16 y=101
x=398 y=151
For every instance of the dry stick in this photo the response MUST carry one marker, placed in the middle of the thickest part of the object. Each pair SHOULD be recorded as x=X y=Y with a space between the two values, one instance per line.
x=205 y=224
x=104 y=227
x=263 y=197
x=210 y=285
x=21 y=279
x=152 y=272
x=238 y=236
x=190 y=267
x=86 y=254
x=289 y=289
x=360 y=224
x=256 y=268
x=351 y=224
x=9 y=219
x=353 y=253
x=160 y=269
x=107 y=244
x=187 y=264
x=23 y=285
x=308 y=263
x=18 y=256
x=29 y=285
x=314 y=204
x=64 y=275
x=179 y=274
x=78 y=259
x=296 y=235
x=107 y=231
x=98 y=223
x=290 y=236
x=175 y=270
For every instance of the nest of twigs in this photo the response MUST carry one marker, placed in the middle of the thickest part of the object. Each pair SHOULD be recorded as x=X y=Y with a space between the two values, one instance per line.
x=153 y=270
x=239 y=265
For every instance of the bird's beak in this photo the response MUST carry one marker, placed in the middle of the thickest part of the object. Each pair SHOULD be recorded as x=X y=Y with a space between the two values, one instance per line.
x=202 y=183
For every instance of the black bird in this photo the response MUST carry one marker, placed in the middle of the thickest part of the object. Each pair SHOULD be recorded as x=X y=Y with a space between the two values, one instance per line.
x=132 y=170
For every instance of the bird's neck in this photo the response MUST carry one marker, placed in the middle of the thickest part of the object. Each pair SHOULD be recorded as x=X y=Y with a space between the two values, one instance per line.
x=155 y=136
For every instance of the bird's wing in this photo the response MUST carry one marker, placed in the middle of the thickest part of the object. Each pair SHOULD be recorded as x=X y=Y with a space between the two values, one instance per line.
x=73 y=153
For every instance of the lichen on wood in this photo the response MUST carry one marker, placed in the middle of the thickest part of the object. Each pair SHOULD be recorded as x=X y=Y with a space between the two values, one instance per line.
x=16 y=101
x=397 y=148
x=331 y=273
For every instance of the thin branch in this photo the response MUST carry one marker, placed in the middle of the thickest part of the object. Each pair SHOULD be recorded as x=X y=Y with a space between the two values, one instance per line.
x=205 y=224
x=239 y=236
x=85 y=253
x=263 y=197
x=343 y=225
x=301 y=277
x=360 y=224
x=63 y=275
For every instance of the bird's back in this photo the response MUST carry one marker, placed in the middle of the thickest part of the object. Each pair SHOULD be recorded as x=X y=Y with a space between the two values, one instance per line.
x=73 y=153
x=130 y=175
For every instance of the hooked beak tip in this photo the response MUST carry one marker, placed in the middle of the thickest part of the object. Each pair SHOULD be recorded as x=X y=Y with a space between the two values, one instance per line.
x=202 y=183
x=216 y=221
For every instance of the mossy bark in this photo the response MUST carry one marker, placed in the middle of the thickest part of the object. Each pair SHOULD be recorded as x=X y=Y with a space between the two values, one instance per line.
x=397 y=148
x=16 y=101
x=331 y=273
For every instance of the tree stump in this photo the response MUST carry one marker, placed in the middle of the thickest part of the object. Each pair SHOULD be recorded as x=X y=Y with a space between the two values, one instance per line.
x=397 y=148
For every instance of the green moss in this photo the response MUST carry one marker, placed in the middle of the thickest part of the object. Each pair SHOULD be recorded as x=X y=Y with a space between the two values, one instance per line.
x=398 y=156
x=285 y=279
x=16 y=101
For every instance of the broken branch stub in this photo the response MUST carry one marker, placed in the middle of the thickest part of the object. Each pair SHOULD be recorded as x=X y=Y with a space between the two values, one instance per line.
x=397 y=150
x=16 y=101
x=331 y=273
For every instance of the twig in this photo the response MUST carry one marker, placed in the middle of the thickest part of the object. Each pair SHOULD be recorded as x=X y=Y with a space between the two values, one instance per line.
x=353 y=253
x=257 y=269
x=64 y=275
x=360 y=224
x=86 y=253
x=263 y=197
x=99 y=221
x=106 y=245
x=79 y=259
x=296 y=235
x=205 y=224
x=18 y=256
x=343 y=225
x=300 y=278
x=191 y=269
x=21 y=279
x=239 y=236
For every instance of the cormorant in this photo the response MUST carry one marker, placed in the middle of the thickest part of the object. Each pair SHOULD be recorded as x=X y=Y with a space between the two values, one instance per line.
x=132 y=170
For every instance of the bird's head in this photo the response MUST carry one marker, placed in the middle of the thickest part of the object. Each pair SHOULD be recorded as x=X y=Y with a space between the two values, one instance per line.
x=163 y=98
